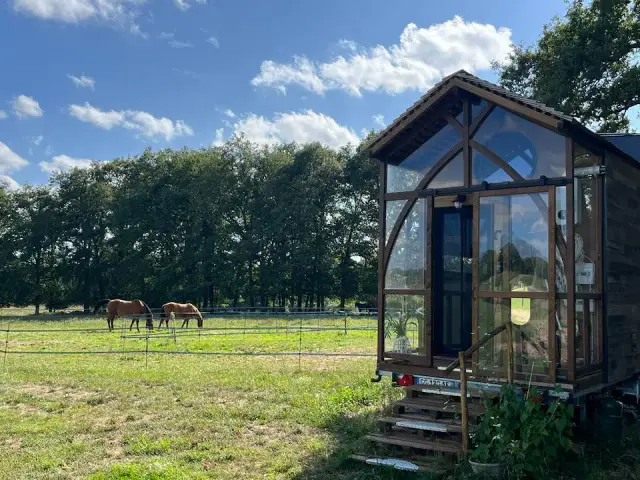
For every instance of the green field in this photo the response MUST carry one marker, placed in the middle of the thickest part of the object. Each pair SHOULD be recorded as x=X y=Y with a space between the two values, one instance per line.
x=188 y=416
x=162 y=416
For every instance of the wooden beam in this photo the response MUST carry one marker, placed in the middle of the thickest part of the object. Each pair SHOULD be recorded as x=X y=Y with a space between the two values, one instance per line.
x=428 y=298
x=381 y=261
x=515 y=107
x=552 y=285
x=464 y=413
x=475 y=331
x=570 y=270
x=454 y=123
x=392 y=130
x=466 y=150
x=479 y=120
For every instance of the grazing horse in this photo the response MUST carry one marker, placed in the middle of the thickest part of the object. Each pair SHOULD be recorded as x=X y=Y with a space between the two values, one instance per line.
x=184 y=310
x=121 y=308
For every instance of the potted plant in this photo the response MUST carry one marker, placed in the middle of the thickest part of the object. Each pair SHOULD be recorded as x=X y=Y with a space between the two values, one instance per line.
x=521 y=434
x=397 y=325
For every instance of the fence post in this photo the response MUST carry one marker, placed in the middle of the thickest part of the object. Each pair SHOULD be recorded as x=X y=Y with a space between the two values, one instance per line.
x=509 y=352
x=6 y=343
x=463 y=404
x=345 y=324
x=300 y=346
x=146 y=353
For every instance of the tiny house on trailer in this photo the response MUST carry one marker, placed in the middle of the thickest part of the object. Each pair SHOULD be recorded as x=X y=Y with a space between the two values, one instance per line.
x=511 y=232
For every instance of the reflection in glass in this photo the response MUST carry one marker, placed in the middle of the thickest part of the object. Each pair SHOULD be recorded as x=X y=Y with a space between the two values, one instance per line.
x=407 y=260
x=393 y=208
x=452 y=175
x=476 y=108
x=404 y=322
x=583 y=157
x=529 y=149
x=585 y=229
x=407 y=175
x=561 y=332
x=561 y=239
x=514 y=243
x=492 y=356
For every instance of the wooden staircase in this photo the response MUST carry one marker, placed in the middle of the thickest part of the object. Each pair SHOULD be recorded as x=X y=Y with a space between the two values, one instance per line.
x=422 y=433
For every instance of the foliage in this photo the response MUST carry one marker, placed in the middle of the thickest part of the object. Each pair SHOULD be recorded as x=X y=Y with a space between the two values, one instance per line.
x=584 y=64
x=285 y=225
x=523 y=433
x=398 y=323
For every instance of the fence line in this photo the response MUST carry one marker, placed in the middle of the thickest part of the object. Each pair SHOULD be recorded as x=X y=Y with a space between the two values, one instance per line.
x=187 y=352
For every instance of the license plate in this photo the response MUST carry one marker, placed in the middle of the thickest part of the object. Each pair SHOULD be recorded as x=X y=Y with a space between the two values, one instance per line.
x=438 y=382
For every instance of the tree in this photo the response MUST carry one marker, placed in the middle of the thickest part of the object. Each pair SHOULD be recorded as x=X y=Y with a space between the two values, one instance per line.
x=585 y=64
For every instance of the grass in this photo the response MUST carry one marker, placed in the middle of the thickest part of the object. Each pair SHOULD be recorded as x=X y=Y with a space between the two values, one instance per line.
x=106 y=417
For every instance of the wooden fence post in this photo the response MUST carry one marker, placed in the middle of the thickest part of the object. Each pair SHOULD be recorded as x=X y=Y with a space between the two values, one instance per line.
x=463 y=404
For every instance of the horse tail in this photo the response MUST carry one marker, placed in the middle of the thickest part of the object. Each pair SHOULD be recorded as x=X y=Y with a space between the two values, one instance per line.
x=147 y=310
x=101 y=303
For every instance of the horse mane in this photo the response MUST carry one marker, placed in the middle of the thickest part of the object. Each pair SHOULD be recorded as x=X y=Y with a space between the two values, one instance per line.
x=100 y=304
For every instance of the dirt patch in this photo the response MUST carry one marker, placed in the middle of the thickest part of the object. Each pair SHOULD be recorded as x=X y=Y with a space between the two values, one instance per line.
x=61 y=392
x=13 y=443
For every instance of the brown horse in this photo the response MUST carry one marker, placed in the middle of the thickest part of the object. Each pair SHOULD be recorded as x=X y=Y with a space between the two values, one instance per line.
x=184 y=310
x=121 y=308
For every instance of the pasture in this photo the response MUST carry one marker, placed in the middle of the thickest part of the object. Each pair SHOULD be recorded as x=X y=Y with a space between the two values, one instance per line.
x=182 y=416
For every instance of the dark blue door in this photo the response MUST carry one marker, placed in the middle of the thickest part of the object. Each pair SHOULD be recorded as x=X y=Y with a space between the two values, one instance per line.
x=453 y=279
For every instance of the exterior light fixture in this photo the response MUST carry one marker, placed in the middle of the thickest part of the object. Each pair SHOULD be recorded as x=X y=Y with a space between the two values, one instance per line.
x=459 y=200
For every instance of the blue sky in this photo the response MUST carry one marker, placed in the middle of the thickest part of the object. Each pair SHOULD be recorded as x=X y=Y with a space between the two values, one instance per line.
x=98 y=79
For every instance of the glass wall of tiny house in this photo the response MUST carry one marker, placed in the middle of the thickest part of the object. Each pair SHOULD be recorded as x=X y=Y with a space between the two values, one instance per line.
x=490 y=218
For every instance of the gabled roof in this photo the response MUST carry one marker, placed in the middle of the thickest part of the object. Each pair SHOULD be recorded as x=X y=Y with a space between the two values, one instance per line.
x=461 y=79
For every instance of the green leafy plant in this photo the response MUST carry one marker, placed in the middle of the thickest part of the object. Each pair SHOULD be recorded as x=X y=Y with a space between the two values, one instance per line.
x=523 y=433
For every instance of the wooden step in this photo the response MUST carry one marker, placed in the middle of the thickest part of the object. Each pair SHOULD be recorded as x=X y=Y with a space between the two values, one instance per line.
x=420 y=422
x=412 y=441
x=407 y=465
x=437 y=405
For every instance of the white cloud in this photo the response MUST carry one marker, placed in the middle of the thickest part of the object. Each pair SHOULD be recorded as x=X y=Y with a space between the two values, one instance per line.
x=24 y=106
x=219 y=140
x=37 y=140
x=421 y=58
x=142 y=122
x=97 y=117
x=3 y=115
x=166 y=35
x=64 y=163
x=121 y=13
x=229 y=113
x=180 y=44
x=379 y=120
x=348 y=45
x=302 y=72
x=83 y=81
x=184 y=5
x=302 y=127
x=214 y=41
x=9 y=160
x=49 y=151
x=8 y=182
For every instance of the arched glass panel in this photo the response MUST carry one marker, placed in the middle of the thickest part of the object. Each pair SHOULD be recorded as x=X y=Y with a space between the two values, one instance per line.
x=393 y=209
x=406 y=176
x=528 y=148
x=406 y=265
x=450 y=176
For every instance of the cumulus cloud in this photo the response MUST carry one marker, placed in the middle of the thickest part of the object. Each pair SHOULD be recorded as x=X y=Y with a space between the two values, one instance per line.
x=83 y=81
x=185 y=5
x=64 y=163
x=143 y=122
x=419 y=60
x=24 y=106
x=213 y=41
x=229 y=113
x=97 y=117
x=3 y=115
x=8 y=182
x=219 y=140
x=121 y=13
x=300 y=127
x=9 y=160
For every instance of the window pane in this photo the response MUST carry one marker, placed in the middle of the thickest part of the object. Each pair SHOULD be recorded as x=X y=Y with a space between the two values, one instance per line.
x=588 y=350
x=561 y=239
x=530 y=149
x=583 y=157
x=530 y=319
x=476 y=108
x=585 y=229
x=407 y=175
x=404 y=321
x=492 y=355
x=393 y=209
x=407 y=261
x=484 y=170
x=450 y=176
x=514 y=243
x=561 y=332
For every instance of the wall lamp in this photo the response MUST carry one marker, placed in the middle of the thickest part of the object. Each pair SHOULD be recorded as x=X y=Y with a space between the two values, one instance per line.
x=459 y=200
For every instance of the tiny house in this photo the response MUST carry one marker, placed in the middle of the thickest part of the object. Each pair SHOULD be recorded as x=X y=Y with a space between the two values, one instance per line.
x=498 y=210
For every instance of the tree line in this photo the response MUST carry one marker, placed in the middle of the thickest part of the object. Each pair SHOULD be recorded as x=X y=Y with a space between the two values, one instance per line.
x=239 y=224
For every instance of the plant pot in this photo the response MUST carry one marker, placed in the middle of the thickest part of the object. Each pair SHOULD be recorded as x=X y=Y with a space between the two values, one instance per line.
x=402 y=345
x=493 y=470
